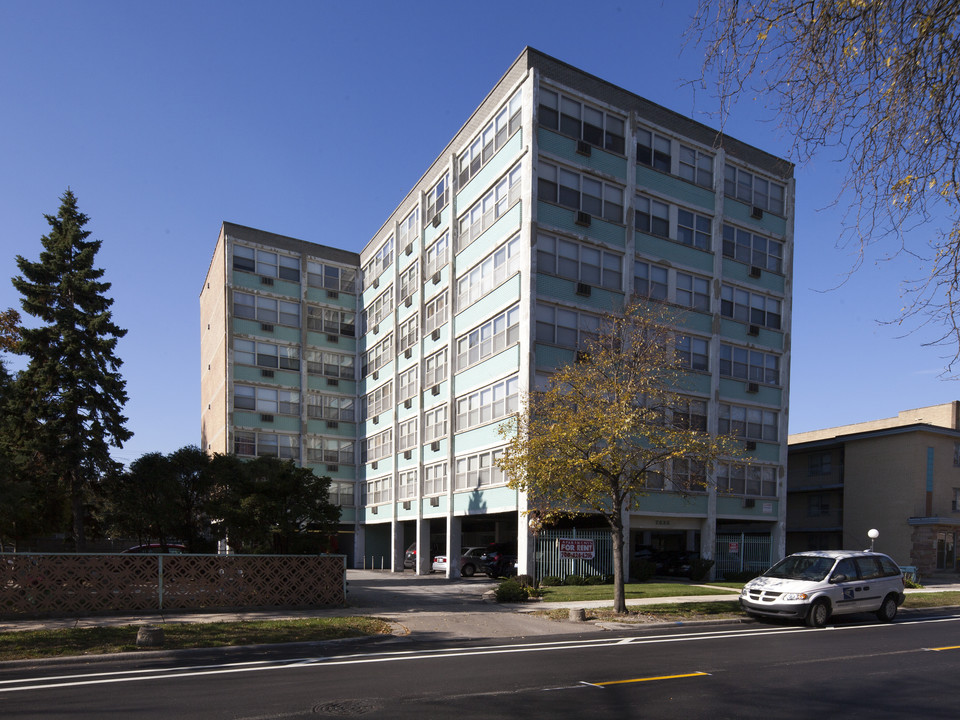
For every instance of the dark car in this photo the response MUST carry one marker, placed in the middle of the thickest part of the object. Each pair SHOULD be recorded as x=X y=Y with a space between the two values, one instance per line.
x=500 y=560
x=152 y=548
x=410 y=556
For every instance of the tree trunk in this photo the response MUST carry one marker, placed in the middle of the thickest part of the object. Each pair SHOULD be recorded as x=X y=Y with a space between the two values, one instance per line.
x=619 y=596
x=76 y=505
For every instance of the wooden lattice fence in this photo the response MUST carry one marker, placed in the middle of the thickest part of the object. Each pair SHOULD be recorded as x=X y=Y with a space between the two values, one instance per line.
x=46 y=584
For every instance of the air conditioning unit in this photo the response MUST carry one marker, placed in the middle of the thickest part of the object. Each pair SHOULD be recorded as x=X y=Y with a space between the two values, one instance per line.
x=333 y=338
x=436 y=220
x=333 y=294
x=373 y=510
x=375 y=419
x=266 y=418
x=435 y=390
x=434 y=502
x=435 y=445
x=408 y=404
x=583 y=218
x=753 y=387
x=757 y=213
x=376 y=329
x=435 y=335
x=755 y=271
x=751 y=444
x=374 y=465
x=266 y=281
x=407 y=454
x=583 y=289
x=583 y=148
x=333 y=468
x=406 y=504
x=333 y=382
x=408 y=353
x=332 y=424
x=408 y=250
x=409 y=301
x=265 y=327
x=753 y=330
x=376 y=375
x=376 y=283
x=436 y=278
x=749 y=502
x=266 y=373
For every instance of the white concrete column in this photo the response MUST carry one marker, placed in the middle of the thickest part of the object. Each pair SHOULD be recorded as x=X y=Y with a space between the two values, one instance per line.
x=396 y=545
x=454 y=545
x=424 y=555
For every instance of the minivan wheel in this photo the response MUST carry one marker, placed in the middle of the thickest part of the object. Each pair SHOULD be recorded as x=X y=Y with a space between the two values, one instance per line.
x=819 y=614
x=888 y=609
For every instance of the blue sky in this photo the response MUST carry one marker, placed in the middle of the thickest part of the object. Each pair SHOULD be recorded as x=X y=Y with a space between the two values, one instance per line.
x=313 y=119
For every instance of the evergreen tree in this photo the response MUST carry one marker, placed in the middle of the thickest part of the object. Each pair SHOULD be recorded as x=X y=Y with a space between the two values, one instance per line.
x=72 y=393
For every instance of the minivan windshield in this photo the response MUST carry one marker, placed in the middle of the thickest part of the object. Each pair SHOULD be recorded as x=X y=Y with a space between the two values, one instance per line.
x=800 y=567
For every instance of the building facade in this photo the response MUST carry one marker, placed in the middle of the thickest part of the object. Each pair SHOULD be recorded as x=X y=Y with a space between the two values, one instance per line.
x=561 y=198
x=899 y=476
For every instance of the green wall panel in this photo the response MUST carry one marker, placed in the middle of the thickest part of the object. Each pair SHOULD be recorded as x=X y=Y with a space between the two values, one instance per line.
x=685 y=193
x=504 y=228
x=731 y=389
x=739 y=272
x=344 y=344
x=548 y=357
x=737 y=331
x=657 y=248
x=277 y=287
x=741 y=214
x=734 y=506
x=281 y=423
x=564 y=147
x=668 y=502
x=564 y=219
x=343 y=387
x=498 y=165
x=496 y=366
x=484 y=500
x=478 y=438
x=343 y=300
x=281 y=378
x=549 y=286
x=253 y=328
x=489 y=305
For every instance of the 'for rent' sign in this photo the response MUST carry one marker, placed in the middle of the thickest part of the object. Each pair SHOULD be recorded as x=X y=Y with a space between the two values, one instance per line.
x=573 y=549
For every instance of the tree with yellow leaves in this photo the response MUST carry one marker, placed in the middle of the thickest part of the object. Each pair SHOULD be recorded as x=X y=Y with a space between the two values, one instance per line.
x=609 y=428
x=878 y=81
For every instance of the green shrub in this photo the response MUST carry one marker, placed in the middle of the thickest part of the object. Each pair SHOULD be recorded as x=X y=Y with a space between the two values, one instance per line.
x=511 y=591
x=642 y=570
x=526 y=581
x=910 y=583
x=550 y=581
x=574 y=580
x=699 y=569
x=596 y=580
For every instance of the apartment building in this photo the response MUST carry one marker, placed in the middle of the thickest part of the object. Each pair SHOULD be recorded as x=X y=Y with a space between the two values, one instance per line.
x=560 y=199
x=899 y=476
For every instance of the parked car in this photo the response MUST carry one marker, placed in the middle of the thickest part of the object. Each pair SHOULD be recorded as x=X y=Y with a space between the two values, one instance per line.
x=471 y=560
x=410 y=556
x=152 y=548
x=815 y=585
x=500 y=560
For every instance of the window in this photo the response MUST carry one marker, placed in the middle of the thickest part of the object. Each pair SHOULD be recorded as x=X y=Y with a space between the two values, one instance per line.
x=581 y=121
x=336 y=451
x=331 y=321
x=491 y=207
x=652 y=217
x=331 y=277
x=435 y=313
x=435 y=423
x=436 y=255
x=266 y=310
x=408 y=229
x=749 y=307
x=693 y=292
x=695 y=166
x=438 y=197
x=340 y=493
x=653 y=150
x=493 y=137
x=750 y=365
x=649 y=281
x=407 y=484
x=330 y=364
x=739 y=479
x=693 y=230
x=269 y=401
x=479 y=470
x=409 y=332
x=580 y=263
x=270 y=264
x=818 y=505
x=752 y=249
x=376 y=447
x=688 y=475
x=409 y=279
x=580 y=192
x=693 y=353
x=379 y=491
x=489 y=273
x=268 y=355
x=819 y=464
x=435 y=479
x=379 y=400
x=380 y=261
x=561 y=326
x=377 y=356
x=249 y=443
x=406 y=434
x=748 y=423
x=753 y=190
x=435 y=368
x=690 y=414
x=379 y=309
x=489 y=339
x=487 y=404
x=330 y=407
x=407 y=384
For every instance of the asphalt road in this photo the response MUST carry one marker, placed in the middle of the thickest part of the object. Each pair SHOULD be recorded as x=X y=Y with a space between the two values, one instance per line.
x=856 y=668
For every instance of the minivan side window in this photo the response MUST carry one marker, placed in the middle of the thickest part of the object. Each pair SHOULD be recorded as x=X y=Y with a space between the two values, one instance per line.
x=869 y=568
x=890 y=568
x=846 y=567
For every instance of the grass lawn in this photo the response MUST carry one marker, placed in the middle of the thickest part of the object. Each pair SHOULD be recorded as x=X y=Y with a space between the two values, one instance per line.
x=572 y=593
x=178 y=636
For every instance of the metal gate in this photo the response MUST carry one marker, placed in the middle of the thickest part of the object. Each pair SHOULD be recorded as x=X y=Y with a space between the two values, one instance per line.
x=739 y=552
x=549 y=563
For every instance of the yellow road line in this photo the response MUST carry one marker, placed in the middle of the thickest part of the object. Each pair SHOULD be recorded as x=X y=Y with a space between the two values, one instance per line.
x=649 y=679
x=952 y=647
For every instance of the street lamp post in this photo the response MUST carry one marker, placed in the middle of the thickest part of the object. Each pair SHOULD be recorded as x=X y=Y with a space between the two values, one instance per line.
x=873 y=534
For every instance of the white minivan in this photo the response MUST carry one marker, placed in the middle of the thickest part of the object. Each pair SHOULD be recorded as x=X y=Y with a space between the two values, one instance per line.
x=815 y=585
